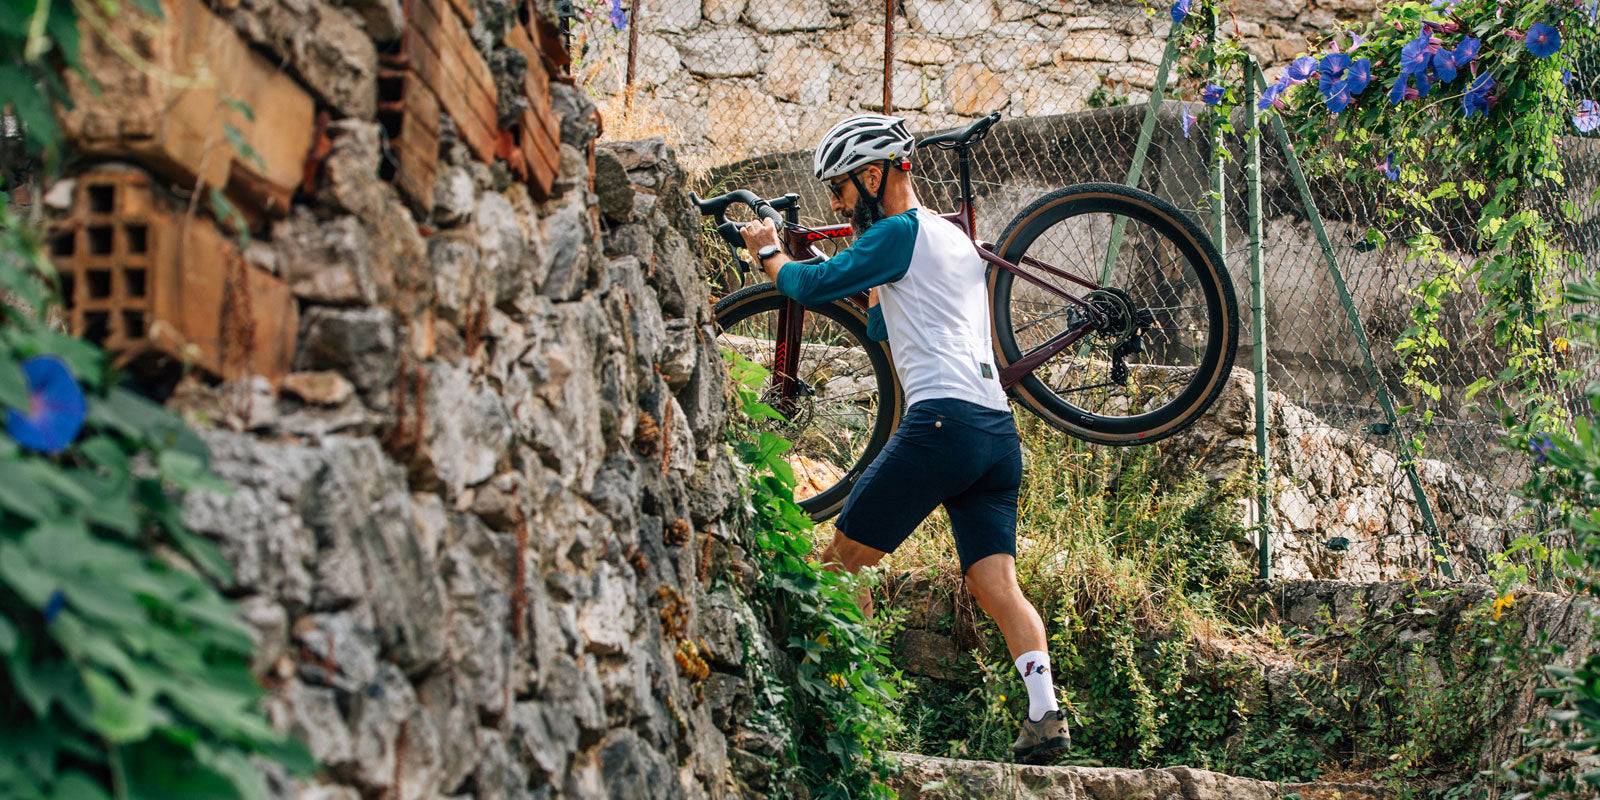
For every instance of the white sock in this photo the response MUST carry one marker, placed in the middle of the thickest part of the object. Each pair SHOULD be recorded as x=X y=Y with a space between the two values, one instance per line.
x=1035 y=668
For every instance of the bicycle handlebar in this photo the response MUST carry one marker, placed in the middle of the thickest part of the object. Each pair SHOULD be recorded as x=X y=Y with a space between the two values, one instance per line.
x=717 y=208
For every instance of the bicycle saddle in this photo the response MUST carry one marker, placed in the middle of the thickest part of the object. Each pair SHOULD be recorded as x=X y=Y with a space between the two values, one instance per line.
x=960 y=138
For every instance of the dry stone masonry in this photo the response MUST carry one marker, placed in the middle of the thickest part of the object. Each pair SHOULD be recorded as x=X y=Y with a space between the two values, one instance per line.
x=735 y=78
x=460 y=379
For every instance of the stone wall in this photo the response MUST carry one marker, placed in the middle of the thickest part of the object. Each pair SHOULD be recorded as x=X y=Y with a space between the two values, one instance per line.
x=475 y=542
x=735 y=78
x=483 y=521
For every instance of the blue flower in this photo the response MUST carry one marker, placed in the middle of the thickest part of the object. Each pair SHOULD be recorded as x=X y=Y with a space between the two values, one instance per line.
x=1444 y=65
x=1301 y=69
x=1356 y=40
x=1180 y=10
x=1391 y=171
x=1541 y=445
x=619 y=20
x=56 y=407
x=1212 y=94
x=1588 y=117
x=1476 y=99
x=1466 y=52
x=1359 y=75
x=1339 y=99
x=1397 y=92
x=1273 y=96
x=1566 y=77
x=1542 y=40
x=53 y=606
x=1188 y=119
x=1415 y=55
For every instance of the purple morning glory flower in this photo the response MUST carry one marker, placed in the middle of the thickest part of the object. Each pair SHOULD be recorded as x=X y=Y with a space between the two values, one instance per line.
x=1339 y=99
x=1356 y=40
x=1273 y=96
x=56 y=408
x=1332 y=70
x=1180 y=10
x=1566 y=77
x=1542 y=40
x=1444 y=65
x=619 y=20
x=1301 y=69
x=1588 y=117
x=53 y=606
x=1476 y=100
x=1466 y=51
x=1188 y=119
x=1541 y=445
x=1212 y=94
x=1359 y=75
x=1397 y=92
x=1391 y=171
x=1414 y=56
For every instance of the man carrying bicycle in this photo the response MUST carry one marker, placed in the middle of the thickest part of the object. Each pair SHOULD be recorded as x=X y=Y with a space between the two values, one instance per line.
x=957 y=445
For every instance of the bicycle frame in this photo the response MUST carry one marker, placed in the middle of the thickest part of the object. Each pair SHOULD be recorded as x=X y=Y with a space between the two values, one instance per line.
x=799 y=243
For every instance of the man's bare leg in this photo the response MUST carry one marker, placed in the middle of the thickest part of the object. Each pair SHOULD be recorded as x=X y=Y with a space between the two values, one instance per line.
x=993 y=583
x=844 y=555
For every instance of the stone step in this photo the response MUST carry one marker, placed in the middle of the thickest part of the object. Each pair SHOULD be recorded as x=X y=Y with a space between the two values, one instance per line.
x=931 y=778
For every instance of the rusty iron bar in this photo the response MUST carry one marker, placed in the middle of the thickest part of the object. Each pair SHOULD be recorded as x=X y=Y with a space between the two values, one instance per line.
x=888 y=56
x=633 y=49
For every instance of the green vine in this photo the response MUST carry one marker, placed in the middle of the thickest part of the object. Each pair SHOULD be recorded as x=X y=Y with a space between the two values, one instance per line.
x=845 y=692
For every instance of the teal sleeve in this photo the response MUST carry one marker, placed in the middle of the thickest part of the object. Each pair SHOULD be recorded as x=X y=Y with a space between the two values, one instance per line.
x=879 y=256
x=876 y=330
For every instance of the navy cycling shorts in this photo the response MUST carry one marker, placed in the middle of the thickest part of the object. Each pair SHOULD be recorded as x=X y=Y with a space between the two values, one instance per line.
x=951 y=452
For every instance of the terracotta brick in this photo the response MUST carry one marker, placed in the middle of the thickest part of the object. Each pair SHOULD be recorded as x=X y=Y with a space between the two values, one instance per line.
x=138 y=279
x=177 y=128
x=438 y=47
x=539 y=132
x=409 y=113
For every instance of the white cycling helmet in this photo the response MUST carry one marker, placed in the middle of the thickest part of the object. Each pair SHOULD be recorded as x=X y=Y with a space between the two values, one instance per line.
x=862 y=140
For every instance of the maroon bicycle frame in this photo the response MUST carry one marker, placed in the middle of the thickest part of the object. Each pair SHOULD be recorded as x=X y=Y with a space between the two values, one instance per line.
x=799 y=241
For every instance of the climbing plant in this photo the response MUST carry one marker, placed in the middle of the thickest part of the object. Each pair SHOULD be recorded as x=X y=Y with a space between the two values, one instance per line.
x=1452 y=113
x=843 y=696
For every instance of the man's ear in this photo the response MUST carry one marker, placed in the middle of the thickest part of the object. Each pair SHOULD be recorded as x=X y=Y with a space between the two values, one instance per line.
x=873 y=175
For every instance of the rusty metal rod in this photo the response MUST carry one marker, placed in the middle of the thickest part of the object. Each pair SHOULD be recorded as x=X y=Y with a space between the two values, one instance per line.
x=888 y=56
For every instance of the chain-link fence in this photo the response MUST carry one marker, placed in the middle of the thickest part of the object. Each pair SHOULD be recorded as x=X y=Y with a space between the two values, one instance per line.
x=745 y=92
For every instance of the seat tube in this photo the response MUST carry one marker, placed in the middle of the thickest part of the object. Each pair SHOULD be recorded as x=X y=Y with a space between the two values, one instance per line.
x=786 y=361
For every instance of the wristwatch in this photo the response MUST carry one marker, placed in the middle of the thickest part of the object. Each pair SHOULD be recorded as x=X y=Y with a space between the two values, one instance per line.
x=766 y=252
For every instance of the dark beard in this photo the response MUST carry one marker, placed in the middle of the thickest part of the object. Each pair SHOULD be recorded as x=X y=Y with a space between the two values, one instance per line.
x=867 y=211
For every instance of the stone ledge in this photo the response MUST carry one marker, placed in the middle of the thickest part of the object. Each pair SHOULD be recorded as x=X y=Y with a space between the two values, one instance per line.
x=932 y=778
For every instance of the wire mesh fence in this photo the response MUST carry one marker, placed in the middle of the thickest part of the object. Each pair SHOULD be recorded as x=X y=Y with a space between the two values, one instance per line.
x=744 y=92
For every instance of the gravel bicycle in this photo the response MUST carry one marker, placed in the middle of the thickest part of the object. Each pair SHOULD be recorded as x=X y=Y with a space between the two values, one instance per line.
x=1114 y=321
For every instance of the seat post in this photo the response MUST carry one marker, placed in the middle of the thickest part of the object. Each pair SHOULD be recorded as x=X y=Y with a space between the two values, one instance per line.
x=964 y=165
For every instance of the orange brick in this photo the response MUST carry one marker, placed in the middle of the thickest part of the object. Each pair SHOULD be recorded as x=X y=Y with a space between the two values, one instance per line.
x=409 y=113
x=137 y=279
x=441 y=51
x=177 y=128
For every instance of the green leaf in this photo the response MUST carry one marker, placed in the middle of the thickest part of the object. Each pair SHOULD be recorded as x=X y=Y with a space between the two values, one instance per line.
x=21 y=495
x=13 y=386
x=8 y=637
x=120 y=717
x=77 y=786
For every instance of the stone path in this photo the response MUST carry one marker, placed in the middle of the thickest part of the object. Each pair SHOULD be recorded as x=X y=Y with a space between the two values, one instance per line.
x=929 y=778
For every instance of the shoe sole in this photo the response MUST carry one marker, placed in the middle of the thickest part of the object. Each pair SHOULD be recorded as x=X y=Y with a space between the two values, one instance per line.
x=1044 y=751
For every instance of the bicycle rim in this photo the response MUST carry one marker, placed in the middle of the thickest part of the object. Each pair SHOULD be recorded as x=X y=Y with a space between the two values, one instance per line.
x=849 y=401
x=1175 y=323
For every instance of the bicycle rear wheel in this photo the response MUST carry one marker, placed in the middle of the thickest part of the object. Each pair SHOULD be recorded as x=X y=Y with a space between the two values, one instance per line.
x=848 y=401
x=1173 y=326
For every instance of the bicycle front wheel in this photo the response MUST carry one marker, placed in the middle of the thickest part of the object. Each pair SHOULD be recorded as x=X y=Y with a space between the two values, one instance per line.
x=1171 y=327
x=846 y=401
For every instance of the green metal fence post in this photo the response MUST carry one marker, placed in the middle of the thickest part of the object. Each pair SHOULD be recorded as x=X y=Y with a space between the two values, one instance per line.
x=1258 y=319
x=1441 y=555
x=1141 y=151
x=1219 y=204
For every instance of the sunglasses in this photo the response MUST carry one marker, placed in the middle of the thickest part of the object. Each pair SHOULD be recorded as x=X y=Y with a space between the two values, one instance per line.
x=837 y=187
